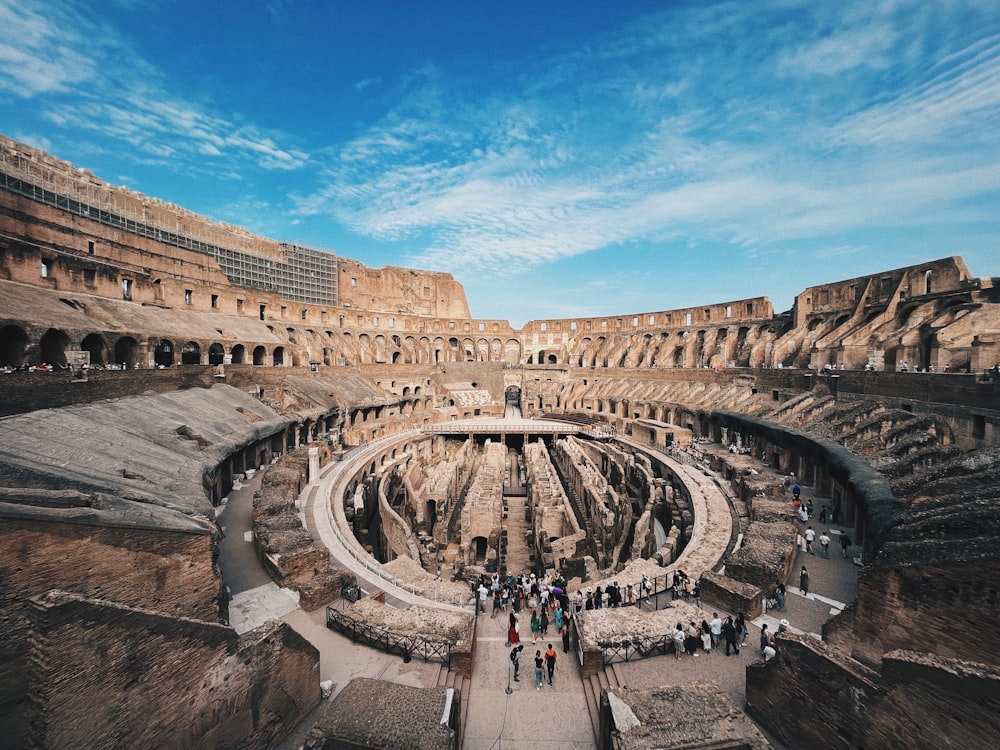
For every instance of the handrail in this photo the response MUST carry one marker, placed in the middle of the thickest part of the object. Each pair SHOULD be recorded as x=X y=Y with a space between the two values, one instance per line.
x=388 y=640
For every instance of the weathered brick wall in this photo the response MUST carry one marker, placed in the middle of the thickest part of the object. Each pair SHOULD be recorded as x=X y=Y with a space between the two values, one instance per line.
x=933 y=702
x=766 y=555
x=811 y=695
x=928 y=608
x=170 y=572
x=287 y=551
x=731 y=595
x=22 y=392
x=105 y=675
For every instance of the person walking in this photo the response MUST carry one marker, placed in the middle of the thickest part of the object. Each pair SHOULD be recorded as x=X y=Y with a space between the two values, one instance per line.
x=845 y=542
x=810 y=537
x=779 y=594
x=539 y=664
x=536 y=625
x=804 y=581
x=550 y=662
x=824 y=544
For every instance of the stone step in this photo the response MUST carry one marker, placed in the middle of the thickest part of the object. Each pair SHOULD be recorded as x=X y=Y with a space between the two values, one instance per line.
x=593 y=698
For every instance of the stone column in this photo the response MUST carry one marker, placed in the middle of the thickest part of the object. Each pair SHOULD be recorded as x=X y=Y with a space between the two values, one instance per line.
x=313 y=465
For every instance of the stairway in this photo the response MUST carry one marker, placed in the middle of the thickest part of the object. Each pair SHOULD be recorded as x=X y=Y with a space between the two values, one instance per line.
x=593 y=686
x=449 y=679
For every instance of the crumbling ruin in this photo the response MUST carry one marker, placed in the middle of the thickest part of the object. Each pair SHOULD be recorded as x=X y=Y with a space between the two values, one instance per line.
x=153 y=358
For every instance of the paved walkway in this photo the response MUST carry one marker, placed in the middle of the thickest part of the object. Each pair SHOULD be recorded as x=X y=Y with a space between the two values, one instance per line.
x=553 y=717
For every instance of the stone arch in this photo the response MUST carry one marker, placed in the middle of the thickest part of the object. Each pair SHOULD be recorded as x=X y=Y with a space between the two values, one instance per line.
x=53 y=346
x=239 y=354
x=191 y=353
x=98 y=348
x=512 y=352
x=259 y=355
x=13 y=342
x=278 y=357
x=216 y=354
x=127 y=351
x=163 y=353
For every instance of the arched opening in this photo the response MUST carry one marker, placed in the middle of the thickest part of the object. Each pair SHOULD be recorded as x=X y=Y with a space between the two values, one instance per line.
x=258 y=355
x=191 y=354
x=163 y=354
x=479 y=544
x=431 y=515
x=239 y=354
x=278 y=357
x=13 y=341
x=53 y=347
x=126 y=351
x=94 y=343
x=216 y=354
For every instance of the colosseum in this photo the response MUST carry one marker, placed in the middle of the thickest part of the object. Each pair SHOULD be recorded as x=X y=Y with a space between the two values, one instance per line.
x=255 y=495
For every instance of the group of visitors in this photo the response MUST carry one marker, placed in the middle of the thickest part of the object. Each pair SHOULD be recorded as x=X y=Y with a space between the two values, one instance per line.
x=543 y=663
x=707 y=636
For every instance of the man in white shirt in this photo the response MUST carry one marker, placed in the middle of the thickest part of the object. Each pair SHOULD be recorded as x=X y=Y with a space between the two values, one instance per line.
x=715 y=628
x=824 y=543
x=810 y=537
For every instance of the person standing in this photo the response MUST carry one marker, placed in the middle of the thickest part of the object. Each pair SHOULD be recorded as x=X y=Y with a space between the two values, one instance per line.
x=779 y=594
x=715 y=627
x=550 y=662
x=515 y=659
x=536 y=626
x=804 y=581
x=483 y=591
x=513 y=631
x=565 y=635
x=539 y=664
x=741 y=628
x=679 y=636
x=543 y=621
x=729 y=632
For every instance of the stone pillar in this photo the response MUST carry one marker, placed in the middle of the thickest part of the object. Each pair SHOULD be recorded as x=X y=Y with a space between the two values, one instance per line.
x=313 y=465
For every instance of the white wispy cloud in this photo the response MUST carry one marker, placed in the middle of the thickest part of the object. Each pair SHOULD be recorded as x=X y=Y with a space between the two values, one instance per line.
x=118 y=94
x=667 y=140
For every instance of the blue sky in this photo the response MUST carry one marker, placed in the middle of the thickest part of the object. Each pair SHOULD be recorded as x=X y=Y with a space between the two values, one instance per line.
x=560 y=158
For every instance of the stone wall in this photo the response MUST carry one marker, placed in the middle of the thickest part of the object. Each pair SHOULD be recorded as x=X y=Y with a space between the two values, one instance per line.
x=812 y=695
x=22 y=392
x=167 y=571
x=915 y=607
x=731 y=595
x=107 y=675
x=287 y=551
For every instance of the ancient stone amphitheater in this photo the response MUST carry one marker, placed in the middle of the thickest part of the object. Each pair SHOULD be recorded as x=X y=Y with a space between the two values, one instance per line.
x=153 y=360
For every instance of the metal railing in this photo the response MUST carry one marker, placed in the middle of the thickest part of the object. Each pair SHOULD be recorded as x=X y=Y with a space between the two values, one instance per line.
x=638 y=647
x=405 y=645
